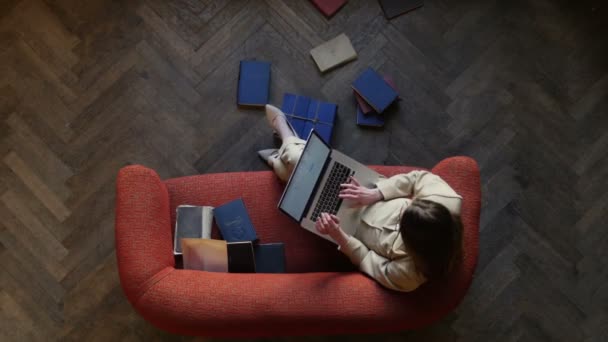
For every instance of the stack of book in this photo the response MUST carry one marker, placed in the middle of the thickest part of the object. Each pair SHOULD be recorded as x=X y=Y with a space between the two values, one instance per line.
x=374 y=94
x=238 y=252
x=306 y=114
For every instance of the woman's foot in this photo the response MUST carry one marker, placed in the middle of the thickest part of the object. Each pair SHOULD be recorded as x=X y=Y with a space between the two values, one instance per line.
x=278 y=121
x=268 y=155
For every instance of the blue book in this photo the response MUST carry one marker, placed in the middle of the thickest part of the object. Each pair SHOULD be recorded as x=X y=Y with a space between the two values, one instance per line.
x=374 y=90
x=269 y=258
x=372 y=119
x=306 y=114
x=234 y=223
x=254 y=83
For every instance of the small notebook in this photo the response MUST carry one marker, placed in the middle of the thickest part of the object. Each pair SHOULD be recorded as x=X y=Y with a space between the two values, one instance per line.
x=234 y=223
x=191 y=222
x=372 y=119
x=374 y=90
x=333 y=53
x=269 y=258
x=254 y=83
x=328 y=7
x=394 y=8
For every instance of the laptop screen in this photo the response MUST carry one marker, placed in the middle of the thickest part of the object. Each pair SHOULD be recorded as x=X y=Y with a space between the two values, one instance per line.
x=304 y=178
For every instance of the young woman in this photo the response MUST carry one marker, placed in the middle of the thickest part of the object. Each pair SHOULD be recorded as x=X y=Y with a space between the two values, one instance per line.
x=410 y=229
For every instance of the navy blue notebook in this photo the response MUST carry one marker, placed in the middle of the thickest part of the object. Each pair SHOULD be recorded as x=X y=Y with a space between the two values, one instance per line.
x=269 y=258
x=254 y=83
x=371 y=119
x=374 y=90
x=306 y=114
x=234 y=223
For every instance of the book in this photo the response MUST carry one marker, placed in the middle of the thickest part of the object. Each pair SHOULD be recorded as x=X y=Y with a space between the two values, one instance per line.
x=333 y=53
x=253 y=84
x=395 y=8
x=306 y=114
x=372 y=119
x=218 y=255
x=365 y=107
x=328 y=7
x=191 y=222
x=240 y=257
x=234 y=223
x=269 y=258
x=374 y=90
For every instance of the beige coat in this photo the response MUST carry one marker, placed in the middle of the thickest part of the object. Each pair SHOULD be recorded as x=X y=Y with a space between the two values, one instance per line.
x=377 y=247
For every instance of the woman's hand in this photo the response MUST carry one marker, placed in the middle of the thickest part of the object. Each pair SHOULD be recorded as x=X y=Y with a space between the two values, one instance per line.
x=330 y=225
x=359 y=195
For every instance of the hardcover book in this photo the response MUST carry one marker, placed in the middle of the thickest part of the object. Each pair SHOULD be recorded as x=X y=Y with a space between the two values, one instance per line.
x=365 y=107
x=254 y=83
x=329 y=7
x=306 y=114
x=333 y=53
x=394 y=8
x=372 y=119
x=269 y=258
x=374 y=90
x=218 y=256
x=234 y=223
x=191 y=222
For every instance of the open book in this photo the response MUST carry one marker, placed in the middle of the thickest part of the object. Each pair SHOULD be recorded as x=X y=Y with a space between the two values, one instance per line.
x=192 y=222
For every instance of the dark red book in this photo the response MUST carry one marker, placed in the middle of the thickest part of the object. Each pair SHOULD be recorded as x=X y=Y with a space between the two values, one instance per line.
x=328 y=7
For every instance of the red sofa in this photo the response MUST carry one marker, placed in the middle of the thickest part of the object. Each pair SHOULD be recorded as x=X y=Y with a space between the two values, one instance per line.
x=322 y=293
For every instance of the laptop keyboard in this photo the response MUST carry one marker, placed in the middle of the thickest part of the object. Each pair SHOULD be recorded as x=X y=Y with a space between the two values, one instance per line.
x=329 y=202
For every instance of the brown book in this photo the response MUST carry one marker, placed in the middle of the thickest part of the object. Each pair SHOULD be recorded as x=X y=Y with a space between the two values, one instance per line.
x=218 y=255
x=333 y=53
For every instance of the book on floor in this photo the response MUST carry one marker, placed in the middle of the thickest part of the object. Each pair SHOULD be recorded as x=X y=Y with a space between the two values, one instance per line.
x=328 y=7
x=371 y=119
x=395 y=8
x=269 y=258
x=218 y=255
x=333 y=53
x=306 y=114
x=191 y=222
x=365 y=107
x=253 y=84
x=234 y=222
x=374 y=90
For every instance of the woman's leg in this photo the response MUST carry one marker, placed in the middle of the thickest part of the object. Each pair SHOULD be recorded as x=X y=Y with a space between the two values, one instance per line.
x=288 y=155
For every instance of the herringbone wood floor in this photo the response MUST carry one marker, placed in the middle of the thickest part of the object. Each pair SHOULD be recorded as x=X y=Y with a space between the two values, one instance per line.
x=89 y=86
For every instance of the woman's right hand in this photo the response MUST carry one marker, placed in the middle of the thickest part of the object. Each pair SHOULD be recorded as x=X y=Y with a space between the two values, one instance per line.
x=358 y=194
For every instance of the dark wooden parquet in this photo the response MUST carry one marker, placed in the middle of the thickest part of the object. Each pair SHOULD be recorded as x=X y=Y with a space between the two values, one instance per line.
x=87 y=87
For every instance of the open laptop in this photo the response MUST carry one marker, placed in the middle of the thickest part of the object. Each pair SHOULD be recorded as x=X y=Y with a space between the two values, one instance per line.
x=315 y=182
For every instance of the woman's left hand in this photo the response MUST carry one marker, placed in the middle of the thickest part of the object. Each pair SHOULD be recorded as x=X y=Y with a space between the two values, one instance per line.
x=330 y=225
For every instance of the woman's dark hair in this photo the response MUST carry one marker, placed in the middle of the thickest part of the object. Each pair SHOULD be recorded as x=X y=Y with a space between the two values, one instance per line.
x=433 y=235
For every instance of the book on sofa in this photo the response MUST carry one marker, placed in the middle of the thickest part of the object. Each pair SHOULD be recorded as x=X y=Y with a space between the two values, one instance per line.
x=191 y=221
x=269 y=257
x=234 y=222
x=306 y=114
x=254 y=83
x=218 y=255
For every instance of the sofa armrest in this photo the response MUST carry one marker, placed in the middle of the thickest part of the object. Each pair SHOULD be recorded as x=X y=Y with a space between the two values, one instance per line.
x=142 y=229
x=462 y=174
x=255 y=305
